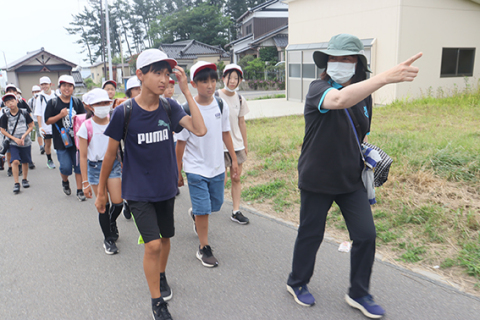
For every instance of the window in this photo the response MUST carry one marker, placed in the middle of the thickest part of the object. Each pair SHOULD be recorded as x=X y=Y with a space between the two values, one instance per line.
x=294 y=70
x=248 y=29
x=457 y=62
x=308 y=70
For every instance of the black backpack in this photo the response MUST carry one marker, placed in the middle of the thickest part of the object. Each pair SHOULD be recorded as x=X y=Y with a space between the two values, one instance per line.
x=127 y=115
x=219 y=101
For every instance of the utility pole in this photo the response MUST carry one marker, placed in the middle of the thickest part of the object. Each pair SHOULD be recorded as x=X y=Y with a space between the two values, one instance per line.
x=121 y=53
x=107 y=23
x=103 y=42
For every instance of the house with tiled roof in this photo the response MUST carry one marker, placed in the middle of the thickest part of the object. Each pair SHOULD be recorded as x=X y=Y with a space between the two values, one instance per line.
x=265 y=25
x=27 y=71
x=188 y=52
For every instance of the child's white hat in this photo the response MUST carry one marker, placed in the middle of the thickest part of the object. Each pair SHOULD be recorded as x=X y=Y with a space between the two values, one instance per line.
x=133 y=82
x=97 y=95
x=200 y=65
x=66 y=79
x=45 y=80
x=233 y=66
x=150 y=56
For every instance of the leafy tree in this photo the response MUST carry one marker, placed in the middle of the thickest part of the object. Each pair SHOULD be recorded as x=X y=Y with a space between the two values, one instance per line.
x=203 y=22
x=243 y=62
x=254 y=68
x=269 y=54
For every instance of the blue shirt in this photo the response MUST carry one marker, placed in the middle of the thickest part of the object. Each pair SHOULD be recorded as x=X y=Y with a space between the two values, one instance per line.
x=149 y=165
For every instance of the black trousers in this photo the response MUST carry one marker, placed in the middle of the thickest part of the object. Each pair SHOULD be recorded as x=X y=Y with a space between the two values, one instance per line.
x=359 y=220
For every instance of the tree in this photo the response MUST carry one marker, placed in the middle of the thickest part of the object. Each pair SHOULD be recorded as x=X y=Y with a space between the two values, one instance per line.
x=269 y=54
x=204 y=23
x=235 y=8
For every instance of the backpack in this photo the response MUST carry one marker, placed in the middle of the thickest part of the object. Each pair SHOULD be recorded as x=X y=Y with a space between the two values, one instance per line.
x=127 y=115
x=219 y=102
x=77 y=123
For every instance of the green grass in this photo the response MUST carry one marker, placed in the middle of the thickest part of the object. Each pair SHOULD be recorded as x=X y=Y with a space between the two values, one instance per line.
x=275 y=96
x=435 y=144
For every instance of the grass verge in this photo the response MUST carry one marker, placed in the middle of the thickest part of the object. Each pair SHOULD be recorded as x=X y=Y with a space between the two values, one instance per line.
x=428 y=213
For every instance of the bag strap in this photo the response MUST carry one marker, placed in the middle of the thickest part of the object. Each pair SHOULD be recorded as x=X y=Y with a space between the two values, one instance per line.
x=355 y=132
x=18 y=118
x=219 y=102
x=89 y=126
x=167 y=107
x=127 y=115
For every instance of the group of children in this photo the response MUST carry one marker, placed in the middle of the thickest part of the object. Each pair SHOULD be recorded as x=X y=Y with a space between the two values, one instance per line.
x=127 y=149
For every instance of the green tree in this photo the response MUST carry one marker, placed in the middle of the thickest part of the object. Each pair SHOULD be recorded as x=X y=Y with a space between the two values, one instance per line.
x=269 y=54
x=204 y=23
x=254 y=69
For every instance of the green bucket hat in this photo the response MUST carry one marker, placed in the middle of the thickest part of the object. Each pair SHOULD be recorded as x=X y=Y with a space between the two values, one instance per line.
x=341 y=45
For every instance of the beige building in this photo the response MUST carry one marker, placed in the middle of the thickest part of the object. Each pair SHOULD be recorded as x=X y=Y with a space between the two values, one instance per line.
x=27 y=71
x=392 y=31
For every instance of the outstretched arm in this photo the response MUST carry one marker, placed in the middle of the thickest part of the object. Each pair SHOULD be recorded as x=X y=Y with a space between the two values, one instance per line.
x=354 y=93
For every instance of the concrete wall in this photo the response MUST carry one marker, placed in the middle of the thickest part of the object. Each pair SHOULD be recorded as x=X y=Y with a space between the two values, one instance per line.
x=314 y=21
x=429 y=26
x=27 y=80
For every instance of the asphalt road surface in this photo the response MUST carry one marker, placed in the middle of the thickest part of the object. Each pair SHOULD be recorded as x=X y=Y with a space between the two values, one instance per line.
x=53 y=266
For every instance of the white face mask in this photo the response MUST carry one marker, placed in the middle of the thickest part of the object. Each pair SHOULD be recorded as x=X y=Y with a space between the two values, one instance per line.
x=341 y=72
x=230 y=90
x=102 y=112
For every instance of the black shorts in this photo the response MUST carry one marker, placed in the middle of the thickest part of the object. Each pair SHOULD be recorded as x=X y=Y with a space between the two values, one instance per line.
x=154 y=220
x=48 y=136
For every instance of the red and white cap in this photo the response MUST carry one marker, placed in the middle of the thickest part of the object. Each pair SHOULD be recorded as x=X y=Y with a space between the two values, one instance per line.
x=36 y=88
x=97 y=95
x=170 y=80
x=9 y=95
x=107 y=82
x=234 y=67
x=200 y=65
x=66 y=79
x=133 y=82
x=150 y=56
x=45 y=80
x=11 y=86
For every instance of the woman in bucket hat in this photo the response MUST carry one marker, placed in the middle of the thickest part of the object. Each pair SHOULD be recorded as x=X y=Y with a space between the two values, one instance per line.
x=330 y=165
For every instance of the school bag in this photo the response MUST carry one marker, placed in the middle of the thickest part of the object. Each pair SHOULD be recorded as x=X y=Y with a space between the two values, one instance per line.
x=77 y=123
x=219 y=102
x=240 y=98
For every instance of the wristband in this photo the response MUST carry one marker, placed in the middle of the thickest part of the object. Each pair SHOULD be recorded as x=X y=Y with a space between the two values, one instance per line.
x=84 y=181
x=87 y=186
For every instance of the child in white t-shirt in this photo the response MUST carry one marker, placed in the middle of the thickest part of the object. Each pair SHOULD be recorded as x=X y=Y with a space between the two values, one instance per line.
x=93 y=146
x=203 y=159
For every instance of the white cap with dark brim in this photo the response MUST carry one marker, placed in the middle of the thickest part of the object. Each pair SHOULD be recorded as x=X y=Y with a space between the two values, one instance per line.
x=133 y=82
x=66 y=79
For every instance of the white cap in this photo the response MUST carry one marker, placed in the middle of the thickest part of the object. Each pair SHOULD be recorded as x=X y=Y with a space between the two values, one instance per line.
x=66 y=79
x=11 y=86
x=19 y=91
x=107 y=82
x=133 y=82
x=150 y=56
x=9 y=95
x=200 y=65
x=97 y=95
x=36 y=88
x=86 y=98
x=45 y=80
x=234 y=67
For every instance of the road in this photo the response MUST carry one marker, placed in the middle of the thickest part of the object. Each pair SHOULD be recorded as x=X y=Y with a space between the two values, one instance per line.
x=53 y=266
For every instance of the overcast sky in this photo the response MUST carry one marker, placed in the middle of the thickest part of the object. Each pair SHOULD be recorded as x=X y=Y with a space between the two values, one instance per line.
x=28 y=25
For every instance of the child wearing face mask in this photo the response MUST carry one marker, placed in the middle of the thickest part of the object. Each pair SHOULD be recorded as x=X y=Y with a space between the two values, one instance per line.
x=93 y=146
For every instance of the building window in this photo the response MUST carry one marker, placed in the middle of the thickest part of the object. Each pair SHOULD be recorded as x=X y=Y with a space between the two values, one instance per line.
x=457 y=62
x=308 y=70
x=294 y=70
x=248 y=29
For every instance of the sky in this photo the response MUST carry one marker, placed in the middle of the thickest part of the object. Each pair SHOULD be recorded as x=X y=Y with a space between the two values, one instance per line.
x=34 y=24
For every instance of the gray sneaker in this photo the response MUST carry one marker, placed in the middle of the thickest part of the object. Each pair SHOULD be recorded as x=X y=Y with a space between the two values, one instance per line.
x=110 y=247
x=50 y=164
x=239 y=217
x=190 y=213
x=81 y=196
x=205 y=255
